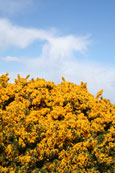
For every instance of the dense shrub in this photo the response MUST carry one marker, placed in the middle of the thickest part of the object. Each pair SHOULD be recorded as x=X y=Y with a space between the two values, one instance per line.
x=54 y=128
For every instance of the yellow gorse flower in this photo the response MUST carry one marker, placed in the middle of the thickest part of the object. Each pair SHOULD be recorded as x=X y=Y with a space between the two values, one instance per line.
x=99 y=93
x=54 y=128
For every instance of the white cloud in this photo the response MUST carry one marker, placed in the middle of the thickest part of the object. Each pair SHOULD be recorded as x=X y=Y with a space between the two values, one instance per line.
x=12 y=7
x=11 y=35
x=64 y=46
x=57 y=58
x=10 y=59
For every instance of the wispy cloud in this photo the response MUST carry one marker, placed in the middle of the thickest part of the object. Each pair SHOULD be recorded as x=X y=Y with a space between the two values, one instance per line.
x=57 y=57
x=12 y=7
x=10 y=59
x=11 y=35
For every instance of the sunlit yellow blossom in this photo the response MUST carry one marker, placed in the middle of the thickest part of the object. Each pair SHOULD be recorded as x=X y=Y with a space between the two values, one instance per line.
x=54 y=128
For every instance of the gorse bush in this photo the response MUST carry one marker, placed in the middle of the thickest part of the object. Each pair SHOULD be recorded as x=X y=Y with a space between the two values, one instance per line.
x=54 y=128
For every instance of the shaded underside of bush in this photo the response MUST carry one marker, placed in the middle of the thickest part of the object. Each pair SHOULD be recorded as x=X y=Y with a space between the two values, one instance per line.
x=55 y=128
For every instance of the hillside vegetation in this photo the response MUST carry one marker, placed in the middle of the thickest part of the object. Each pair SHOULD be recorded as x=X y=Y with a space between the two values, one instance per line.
x=54 y=128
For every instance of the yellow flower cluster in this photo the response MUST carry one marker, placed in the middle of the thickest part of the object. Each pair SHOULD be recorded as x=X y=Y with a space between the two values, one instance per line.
x=54 y=128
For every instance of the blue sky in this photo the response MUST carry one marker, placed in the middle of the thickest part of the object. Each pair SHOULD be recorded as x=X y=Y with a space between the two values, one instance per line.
x=50 y=39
